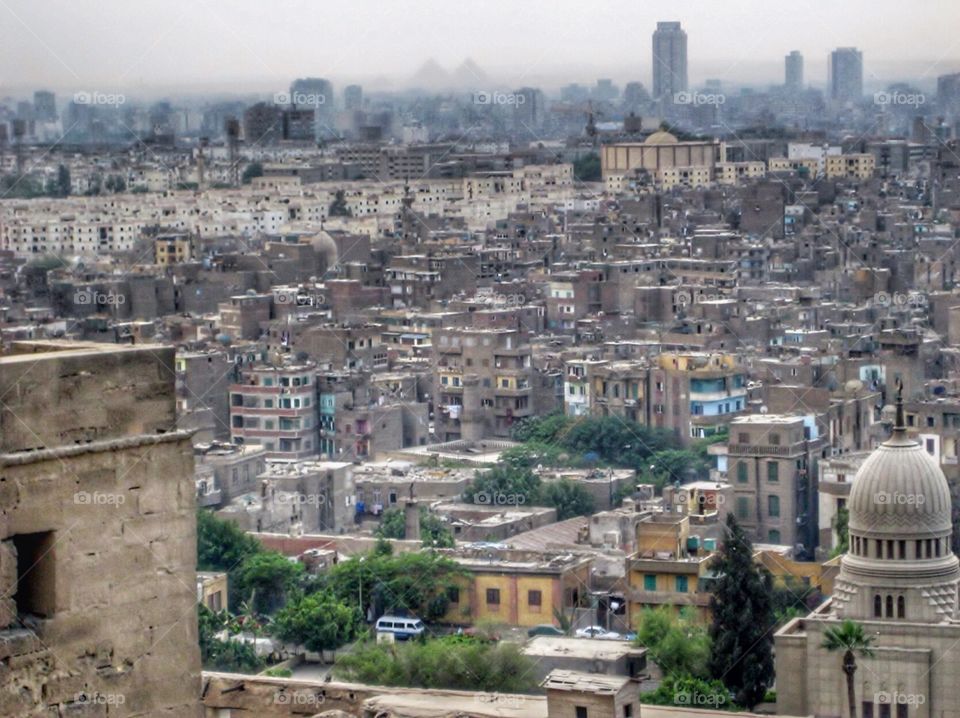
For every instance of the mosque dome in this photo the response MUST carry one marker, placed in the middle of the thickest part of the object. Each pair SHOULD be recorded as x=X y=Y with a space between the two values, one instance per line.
x=661 y=137
x=900 y=492
x=325 y=248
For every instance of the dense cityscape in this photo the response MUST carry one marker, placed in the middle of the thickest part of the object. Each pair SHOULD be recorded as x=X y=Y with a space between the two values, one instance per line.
x=476 y=394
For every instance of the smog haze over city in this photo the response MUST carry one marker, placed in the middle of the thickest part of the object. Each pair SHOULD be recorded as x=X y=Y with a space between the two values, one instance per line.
x=433 y=359
x=155 y=46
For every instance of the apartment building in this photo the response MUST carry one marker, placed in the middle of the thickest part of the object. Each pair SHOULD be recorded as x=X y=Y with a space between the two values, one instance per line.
x=276 y=406
x=671 y=567
x=483 y=382
x=772 y=467
x=859 y=166
x=695 y=394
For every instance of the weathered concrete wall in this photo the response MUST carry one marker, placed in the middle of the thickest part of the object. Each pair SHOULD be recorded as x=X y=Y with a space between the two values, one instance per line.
x=114 y=579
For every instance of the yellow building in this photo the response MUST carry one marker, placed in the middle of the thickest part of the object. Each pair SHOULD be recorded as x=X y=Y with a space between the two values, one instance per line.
x=212 y=590
x=670 y=568
x=852 y=166
x=518 y=588
x=734 y=172
x=173 y=249
x=809 y=166
x=691 y=177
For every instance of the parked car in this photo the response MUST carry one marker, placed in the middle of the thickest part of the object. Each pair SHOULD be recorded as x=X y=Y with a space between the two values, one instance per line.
x=598 y=632
x=402 y=627
x=545 y=629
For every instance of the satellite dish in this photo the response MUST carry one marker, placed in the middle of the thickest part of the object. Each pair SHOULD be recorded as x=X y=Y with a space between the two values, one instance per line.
x=764 y=409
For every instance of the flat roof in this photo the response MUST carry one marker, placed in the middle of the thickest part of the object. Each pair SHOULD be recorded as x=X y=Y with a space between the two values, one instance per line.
x=601 y=684
x=570 y=647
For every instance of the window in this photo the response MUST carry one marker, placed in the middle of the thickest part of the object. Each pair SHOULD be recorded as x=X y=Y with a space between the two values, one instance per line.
x=773 y=471
x=901 y=607
x=889 y=606
x=649 y=582
x=493 y=596
x=35 y=586
x=773 y=536
x=534 y=598
x=681 y=584
x=743 y=507
x=742 y=472
x=877 y=606
x=453 y=594
x=581 y=711
x=773 y=506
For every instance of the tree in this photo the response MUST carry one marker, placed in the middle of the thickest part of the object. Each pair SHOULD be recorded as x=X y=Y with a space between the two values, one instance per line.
x=687 y=691
x=339 y=207
x=672 y=466
x=677 y=644
x=504 y=484
x=64 y=184
x=742 y=644
x=587 y=168
x=850 y=638
x=840 y=526
x=545 y=429
x=319 y=621
x=413 y=582
x=568 y=498
x=793 y=598
x=433 y=531
x=451 y=662
x=115 y=183
x=222 y=545
x=224 y=655
x=254 y=169
x=266 y=579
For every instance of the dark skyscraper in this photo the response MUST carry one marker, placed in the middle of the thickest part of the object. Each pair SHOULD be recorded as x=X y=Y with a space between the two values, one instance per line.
x=793 y=71
x=45 y=106
x=669 y=60
x=845 y=78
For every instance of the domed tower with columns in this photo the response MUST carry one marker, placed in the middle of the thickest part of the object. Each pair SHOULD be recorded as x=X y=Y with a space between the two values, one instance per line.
x=899 y=580
x=899 y=563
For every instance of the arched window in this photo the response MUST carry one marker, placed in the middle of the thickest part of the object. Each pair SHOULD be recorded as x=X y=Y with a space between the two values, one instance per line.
x=889 y=606
x=877 y=606
x=901 y=607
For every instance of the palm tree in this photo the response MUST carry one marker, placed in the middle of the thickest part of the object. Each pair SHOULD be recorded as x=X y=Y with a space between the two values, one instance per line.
x=850 y=638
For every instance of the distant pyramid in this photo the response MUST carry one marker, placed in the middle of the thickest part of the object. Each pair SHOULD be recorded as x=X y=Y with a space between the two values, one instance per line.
x=431 y=76
x=469 y=76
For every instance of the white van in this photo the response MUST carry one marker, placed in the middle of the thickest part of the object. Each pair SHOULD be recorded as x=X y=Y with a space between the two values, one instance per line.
x=401 y=627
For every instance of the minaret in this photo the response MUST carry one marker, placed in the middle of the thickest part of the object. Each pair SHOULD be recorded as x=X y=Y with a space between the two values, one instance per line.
x=471 y=417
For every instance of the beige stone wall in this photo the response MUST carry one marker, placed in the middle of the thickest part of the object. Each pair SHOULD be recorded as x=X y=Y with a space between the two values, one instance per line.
x=114 y=577
x=913 y=663
x=54 y=397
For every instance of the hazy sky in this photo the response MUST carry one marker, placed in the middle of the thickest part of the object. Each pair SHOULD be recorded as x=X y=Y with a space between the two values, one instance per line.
x=146 y=46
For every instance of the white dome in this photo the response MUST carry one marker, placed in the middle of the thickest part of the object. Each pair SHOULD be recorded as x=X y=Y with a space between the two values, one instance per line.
x=900 y=491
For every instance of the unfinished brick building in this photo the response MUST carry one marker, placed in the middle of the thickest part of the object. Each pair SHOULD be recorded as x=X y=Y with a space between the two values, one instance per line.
x=97 y=535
